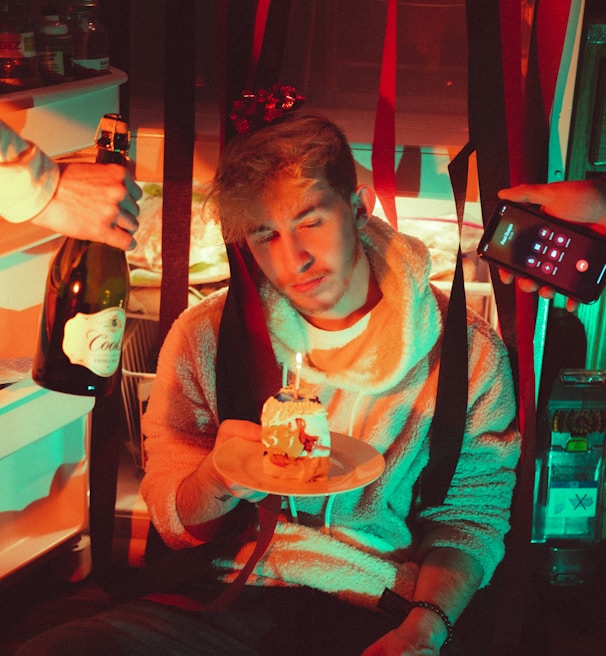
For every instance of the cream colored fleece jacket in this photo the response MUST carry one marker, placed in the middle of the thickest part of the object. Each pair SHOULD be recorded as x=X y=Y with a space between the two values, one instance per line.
x=383 y=394
x=28 y=178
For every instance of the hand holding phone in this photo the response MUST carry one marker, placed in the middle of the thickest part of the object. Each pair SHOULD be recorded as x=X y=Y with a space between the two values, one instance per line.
x=565 y=256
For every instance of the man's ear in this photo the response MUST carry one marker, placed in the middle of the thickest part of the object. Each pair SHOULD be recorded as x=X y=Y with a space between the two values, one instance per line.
x=364 y=203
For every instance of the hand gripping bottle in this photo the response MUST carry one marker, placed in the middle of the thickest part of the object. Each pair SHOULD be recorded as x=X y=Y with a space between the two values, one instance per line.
x=84 y=312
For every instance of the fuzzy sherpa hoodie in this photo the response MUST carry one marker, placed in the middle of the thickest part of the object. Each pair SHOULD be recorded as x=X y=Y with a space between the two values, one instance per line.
x=28 y=178
x=378 y=384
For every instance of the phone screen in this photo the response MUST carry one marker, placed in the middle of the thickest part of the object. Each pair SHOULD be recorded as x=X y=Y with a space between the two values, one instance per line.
x=559 y=254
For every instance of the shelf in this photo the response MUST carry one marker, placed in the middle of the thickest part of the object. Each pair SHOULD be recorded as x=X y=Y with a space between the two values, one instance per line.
x=63 y=117
x=23 y=100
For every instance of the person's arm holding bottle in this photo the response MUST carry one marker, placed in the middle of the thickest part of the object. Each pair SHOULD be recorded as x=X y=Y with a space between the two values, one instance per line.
x=578 y=201
x=96 y=202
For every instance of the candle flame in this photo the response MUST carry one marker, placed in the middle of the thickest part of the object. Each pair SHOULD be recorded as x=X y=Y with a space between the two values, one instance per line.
x=299 y=359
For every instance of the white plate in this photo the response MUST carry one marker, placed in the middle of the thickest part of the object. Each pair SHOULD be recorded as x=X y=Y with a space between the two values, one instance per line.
x=353 y=464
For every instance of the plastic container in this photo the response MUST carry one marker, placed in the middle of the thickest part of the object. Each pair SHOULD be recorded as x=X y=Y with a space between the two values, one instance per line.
x=89 y=38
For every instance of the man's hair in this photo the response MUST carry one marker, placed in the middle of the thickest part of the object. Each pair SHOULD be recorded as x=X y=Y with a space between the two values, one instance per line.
x=302 y=148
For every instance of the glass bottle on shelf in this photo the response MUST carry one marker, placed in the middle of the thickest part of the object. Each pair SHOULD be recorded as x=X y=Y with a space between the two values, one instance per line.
x=54 y=45
x=90 y=38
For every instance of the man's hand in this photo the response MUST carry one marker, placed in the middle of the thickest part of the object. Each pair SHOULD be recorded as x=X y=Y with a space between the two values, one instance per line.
x=421 y=634
x=392 y=644
x=206 y=496
x=579 y=201
x=96 y=202
x=582 y=201
x=238 y=429
x=530 y=286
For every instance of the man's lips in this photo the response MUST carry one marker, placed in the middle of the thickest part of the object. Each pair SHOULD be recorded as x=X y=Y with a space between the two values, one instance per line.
x=307 y=286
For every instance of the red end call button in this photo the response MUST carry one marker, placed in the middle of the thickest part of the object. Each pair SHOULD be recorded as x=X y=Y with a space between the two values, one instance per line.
x=582 y=265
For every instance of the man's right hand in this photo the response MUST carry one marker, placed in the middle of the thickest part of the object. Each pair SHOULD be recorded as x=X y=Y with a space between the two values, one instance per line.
x=96 y=202
x=234 y=429
x=206 y=496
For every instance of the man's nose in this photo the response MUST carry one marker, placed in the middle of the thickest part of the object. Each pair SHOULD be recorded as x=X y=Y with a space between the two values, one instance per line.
x=297 y=254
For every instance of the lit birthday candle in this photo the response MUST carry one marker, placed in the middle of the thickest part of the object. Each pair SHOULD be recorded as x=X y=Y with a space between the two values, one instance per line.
x=299 y=358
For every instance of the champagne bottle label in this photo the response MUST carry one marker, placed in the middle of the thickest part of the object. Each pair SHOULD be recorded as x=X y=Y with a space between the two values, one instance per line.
x=95 y=340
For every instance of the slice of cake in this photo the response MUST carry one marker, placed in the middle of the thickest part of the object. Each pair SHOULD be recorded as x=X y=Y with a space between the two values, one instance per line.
x=295 y=436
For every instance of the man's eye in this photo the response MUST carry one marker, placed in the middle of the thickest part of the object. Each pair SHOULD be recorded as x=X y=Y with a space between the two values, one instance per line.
x=264 y=237
x=312 y=223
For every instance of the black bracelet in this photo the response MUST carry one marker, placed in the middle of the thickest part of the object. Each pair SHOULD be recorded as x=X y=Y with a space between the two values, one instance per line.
x=398 y=607
x=438 y=611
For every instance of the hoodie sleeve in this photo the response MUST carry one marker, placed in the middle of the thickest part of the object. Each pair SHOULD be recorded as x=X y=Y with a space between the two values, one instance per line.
x=28 y=178
x=180 y=423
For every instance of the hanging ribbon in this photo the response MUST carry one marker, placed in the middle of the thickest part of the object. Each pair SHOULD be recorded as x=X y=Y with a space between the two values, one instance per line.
x=258 y=37
x=179 y=135
x=246 y=370
x=384 y=139
x=450 y=415
x=508 y=122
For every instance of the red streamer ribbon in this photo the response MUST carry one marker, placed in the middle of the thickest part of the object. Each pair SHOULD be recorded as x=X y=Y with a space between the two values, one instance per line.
x=384 y=140
x=258 y=37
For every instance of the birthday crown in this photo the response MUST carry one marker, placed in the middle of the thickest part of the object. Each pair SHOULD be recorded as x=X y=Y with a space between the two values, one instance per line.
x=258 y=108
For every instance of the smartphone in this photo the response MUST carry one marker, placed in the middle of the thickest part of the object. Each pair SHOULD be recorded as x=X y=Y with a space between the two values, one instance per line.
x=566 y=256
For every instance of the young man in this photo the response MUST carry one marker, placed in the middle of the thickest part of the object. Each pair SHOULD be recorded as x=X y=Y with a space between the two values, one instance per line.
x=352 y=295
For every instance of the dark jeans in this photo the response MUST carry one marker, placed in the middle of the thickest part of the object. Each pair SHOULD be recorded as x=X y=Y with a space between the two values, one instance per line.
x=263 y=622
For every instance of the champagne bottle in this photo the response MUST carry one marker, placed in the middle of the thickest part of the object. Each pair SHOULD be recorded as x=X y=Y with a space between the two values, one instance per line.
x=84 y=312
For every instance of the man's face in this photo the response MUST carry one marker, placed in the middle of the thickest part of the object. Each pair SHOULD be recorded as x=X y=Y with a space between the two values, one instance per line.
x=308 y=247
